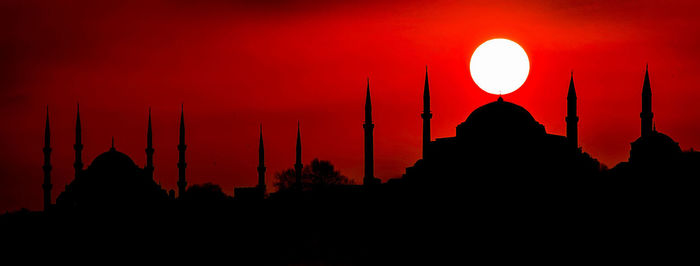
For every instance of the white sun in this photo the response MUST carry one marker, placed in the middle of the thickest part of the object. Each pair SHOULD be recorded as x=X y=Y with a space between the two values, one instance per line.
x=499 y=66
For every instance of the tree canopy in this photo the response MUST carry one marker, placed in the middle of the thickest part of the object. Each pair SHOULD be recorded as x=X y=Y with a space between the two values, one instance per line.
x=317 y=174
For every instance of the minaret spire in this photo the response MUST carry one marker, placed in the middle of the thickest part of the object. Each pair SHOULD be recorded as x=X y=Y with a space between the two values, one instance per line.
x=181 y=165
x=426 y=115
x=646 y=115
x=47 y=186
x=78 y=146
x=571 y=117
x=298 y=166
x=149 y=147
x=369 y=141
x=261 y=163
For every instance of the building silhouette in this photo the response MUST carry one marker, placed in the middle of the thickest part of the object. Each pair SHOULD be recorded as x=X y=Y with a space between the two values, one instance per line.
x=112 y=181
x=258 y=192
x=181 y=164
x=500 y=146
x=298 y=166
x=261 y=164
x=426 y=115
x=501 y=142
x=655 y=154
x=47 y=186
x=369 y=178
x=501 y=185
x=78 y=146
x=149 y=148
x=571 y=117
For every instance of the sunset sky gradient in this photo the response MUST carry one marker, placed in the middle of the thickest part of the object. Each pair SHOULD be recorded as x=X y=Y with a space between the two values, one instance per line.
x=236 y=64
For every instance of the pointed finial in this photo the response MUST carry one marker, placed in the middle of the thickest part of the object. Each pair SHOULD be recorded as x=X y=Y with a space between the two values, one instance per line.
x=77 y=111
x=572 y=90
x=47 y=131
x=500 y=99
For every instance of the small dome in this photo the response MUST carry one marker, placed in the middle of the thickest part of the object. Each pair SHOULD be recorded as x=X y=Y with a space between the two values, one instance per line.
x=656 y=145
x=501 y=118
x=112 y=160
x=657 y=139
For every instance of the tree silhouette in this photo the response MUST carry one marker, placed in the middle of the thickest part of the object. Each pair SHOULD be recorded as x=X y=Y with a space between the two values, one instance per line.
x=318 y=174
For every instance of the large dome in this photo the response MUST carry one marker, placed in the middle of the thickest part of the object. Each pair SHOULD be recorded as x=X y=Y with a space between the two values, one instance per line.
x=112 y=160
x=112 y=180
x=500 y=118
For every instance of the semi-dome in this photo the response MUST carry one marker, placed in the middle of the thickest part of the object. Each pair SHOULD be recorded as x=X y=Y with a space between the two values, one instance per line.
x=501 y=118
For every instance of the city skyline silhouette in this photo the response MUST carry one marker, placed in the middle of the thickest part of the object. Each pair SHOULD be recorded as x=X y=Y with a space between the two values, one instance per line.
x=350 y=132
x=497 y=134
x=501 y=165
x=237 y=66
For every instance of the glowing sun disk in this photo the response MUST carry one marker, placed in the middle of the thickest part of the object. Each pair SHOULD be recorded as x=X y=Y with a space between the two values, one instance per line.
x=499 y=66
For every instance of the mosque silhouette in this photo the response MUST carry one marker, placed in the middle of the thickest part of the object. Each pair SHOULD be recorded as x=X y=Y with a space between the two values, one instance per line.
x=502 y=176
x=500 y=143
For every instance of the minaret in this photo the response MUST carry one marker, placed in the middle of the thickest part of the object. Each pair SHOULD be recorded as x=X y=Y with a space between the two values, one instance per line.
x=181 y=165
x=571 y=118
x=47 y=164
x=78 y=146
x=426 y=115
x=149 y=148
x=369 y=141
x=261 y=163
x=646 y=113
x=298 y=166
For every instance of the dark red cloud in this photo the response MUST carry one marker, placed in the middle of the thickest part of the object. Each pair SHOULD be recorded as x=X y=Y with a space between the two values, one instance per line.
x=236 y=64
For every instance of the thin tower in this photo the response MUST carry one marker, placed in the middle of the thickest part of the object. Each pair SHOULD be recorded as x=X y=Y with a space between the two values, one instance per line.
x=369 y=141
x=571 y=117
x=646 y=114
x=261 y=164
x=298 y=166
x=47 y=164
x=78 y=146
x=181 y=165
x=426 y=115
x=149 y=147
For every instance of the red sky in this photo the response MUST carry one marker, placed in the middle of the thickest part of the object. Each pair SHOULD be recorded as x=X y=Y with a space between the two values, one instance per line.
x=236 y=64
